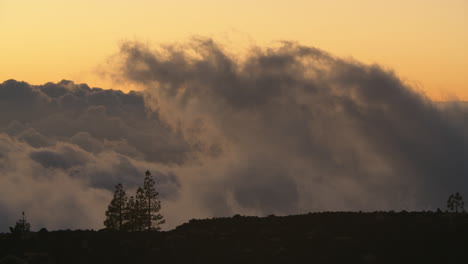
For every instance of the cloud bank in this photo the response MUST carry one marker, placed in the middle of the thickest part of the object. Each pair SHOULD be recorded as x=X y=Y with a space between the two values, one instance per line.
x=63 y=148
x=287 y=129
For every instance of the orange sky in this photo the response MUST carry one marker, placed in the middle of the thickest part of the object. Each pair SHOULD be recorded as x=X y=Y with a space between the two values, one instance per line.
x=424 y=41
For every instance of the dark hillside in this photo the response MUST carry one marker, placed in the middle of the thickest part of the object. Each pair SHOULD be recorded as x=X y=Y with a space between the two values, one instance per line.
x=318 y=238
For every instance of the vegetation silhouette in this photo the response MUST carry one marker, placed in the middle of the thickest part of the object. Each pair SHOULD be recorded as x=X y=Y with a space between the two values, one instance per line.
x=455 y=203
x=329 y=237
x=115 y=213
x=334 y=237
x=134 y=213
x=22 y=226
x=151 y=204
x=137 y=213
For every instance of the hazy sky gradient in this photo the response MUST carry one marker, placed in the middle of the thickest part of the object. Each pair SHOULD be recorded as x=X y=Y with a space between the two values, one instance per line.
x=423 y=41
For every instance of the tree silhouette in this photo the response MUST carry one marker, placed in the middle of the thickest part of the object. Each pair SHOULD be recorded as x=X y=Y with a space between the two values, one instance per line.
x=129 y=222
x=455 y=203
x=139 y=212
x=151 y=204
x=134 y=212
x=21 y=226
x=116 y=209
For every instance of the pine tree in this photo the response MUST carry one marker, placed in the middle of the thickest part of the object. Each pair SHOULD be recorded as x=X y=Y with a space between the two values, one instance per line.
x=131 y=215
x=128 y=220
x=151 y=204
x=455 y=203
x=116 y=209
x=140 y=209
x=21 y=226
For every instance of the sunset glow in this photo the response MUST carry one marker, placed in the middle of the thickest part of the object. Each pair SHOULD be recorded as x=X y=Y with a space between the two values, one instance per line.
x=424 y=42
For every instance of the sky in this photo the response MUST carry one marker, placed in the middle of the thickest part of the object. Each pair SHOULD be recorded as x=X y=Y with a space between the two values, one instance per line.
x=424 y=42
x=274 y=108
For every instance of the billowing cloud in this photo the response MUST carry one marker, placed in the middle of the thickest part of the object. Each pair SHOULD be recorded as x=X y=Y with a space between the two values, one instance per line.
x=303 y=130
x=63 y=148
x=282 y=130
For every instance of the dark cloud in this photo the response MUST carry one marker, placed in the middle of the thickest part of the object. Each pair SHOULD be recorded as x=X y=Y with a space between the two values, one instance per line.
x=65 y=158
x=65 y=109
x=34 y=138
x=352 y=136
x=282 y=130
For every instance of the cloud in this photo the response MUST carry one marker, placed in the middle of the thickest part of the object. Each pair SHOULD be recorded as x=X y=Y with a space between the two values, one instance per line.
x=303 y=130
x=285 y=129
x=74 y=144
